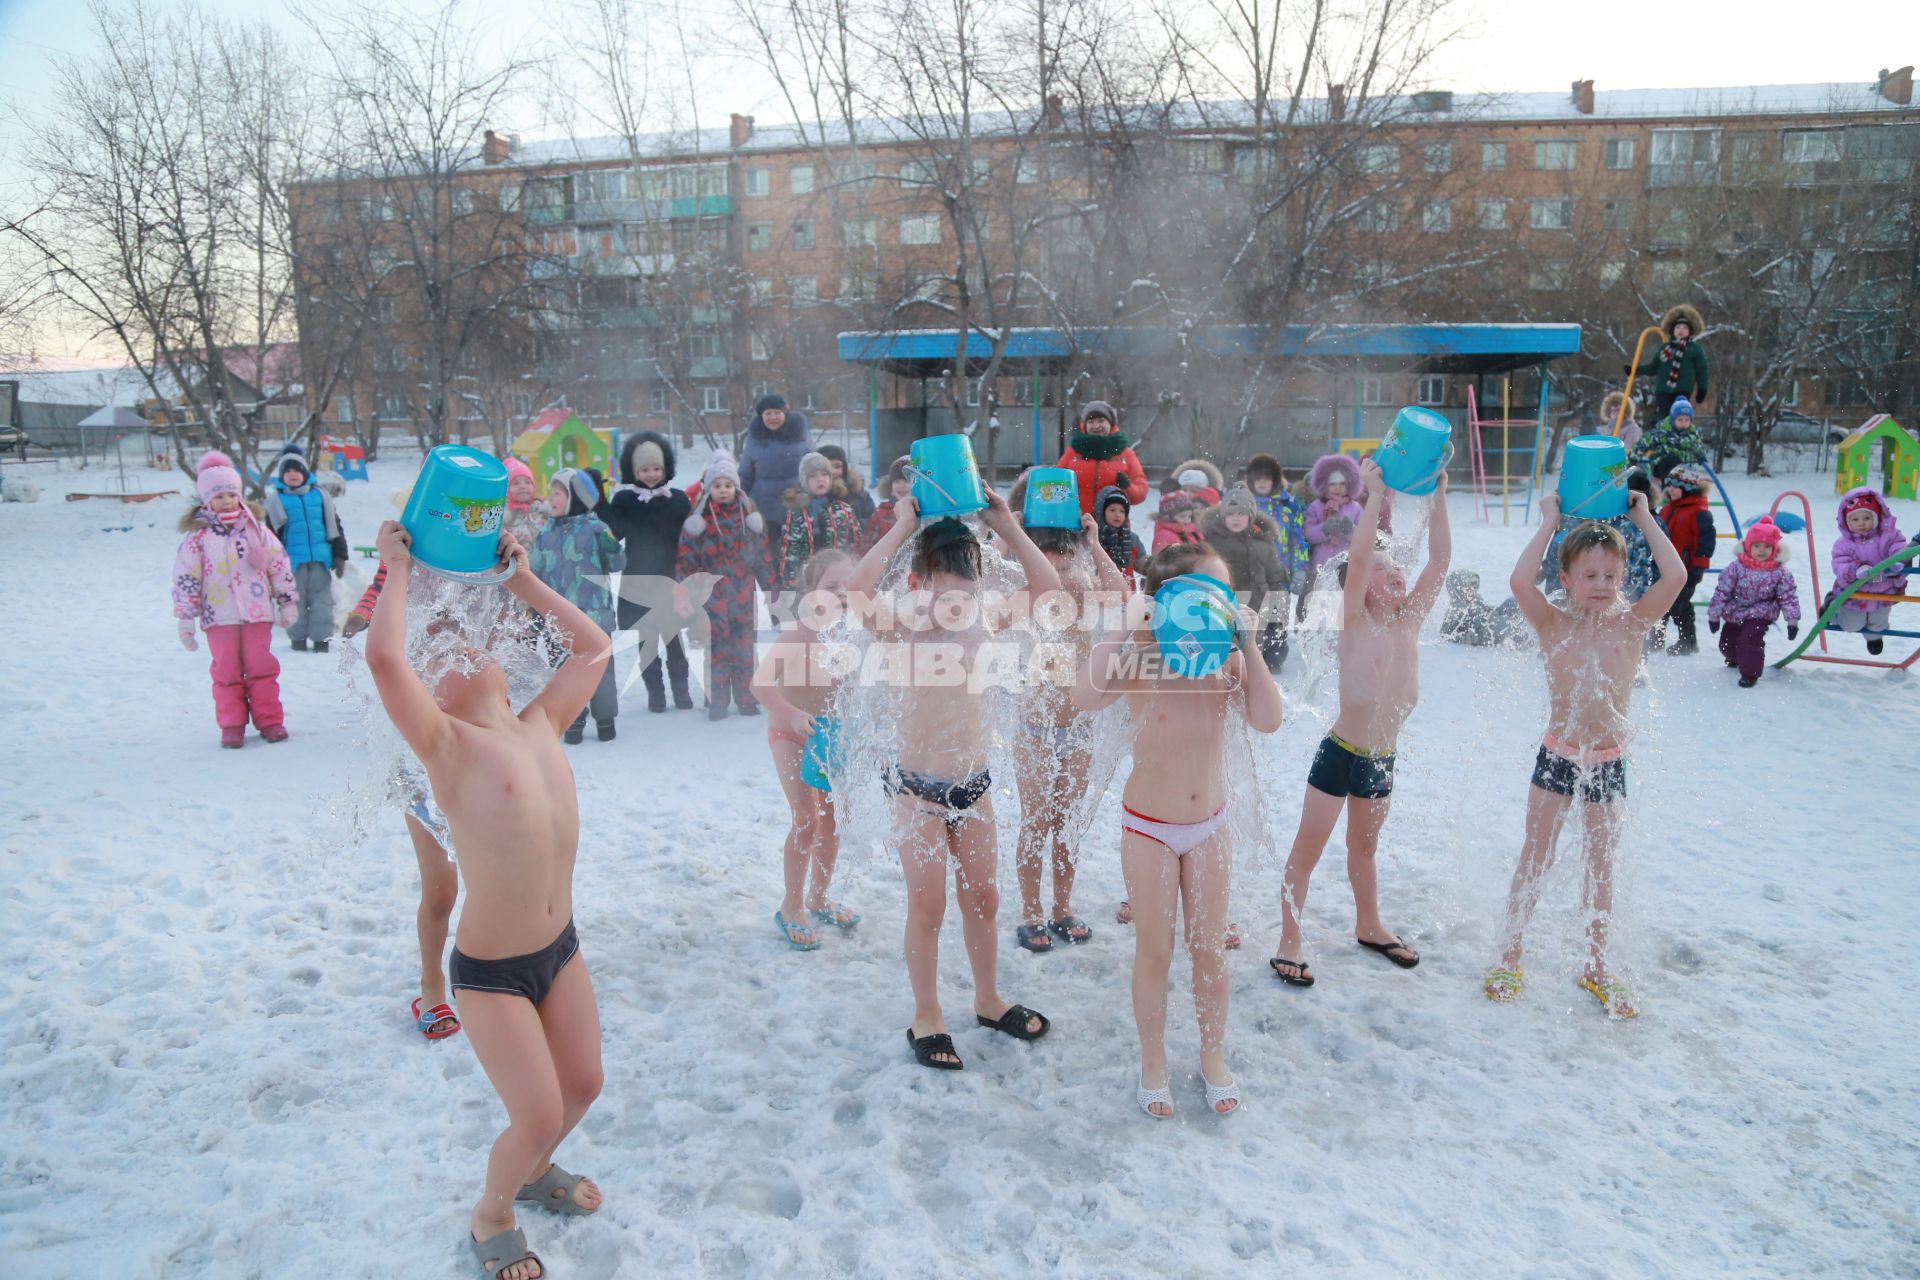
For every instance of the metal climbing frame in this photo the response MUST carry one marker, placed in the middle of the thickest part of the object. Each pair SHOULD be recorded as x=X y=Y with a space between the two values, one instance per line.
x=1901 y=561
x=1508 y=482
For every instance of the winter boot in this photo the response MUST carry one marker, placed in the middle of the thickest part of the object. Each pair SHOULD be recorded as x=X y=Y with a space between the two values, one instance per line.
x=606 y=731
x=321 y=646
x=682 y=696
x=576 y=733
x=300 y=645
x=1875 y=645
x=274 y=733
x=233 y=737
x=656 y=687
x=717 y=702
x=743 y=699
x=656 y=699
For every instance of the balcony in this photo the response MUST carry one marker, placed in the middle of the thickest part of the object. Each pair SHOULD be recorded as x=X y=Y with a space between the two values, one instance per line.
x=701 y=206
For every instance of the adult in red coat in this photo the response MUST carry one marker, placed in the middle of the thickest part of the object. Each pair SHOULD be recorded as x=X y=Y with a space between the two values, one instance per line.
x=1100 y=456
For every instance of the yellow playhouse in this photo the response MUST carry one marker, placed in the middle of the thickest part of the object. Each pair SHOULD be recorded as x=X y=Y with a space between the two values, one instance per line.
x=1900 y=463
x=557 y=439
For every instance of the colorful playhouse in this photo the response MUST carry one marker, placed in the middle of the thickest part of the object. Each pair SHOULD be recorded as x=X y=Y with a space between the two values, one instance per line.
x=1899 y=465
x=557 y=439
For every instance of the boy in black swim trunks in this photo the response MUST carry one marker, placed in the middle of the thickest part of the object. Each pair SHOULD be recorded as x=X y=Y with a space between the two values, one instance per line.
x=1592 y=646
x=508 y=794
x=1379 y=685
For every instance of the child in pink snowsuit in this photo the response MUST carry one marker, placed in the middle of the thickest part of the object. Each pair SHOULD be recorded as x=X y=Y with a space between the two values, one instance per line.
x=1868 y=535
x=233 y=577
x=1753 y=591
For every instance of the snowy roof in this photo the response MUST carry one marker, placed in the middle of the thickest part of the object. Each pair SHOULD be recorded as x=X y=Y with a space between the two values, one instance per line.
x=1616 y=104
x=121 y=386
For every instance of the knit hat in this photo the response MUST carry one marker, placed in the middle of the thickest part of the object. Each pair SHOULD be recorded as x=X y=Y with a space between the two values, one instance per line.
x=1194 y=477
x=647 y=454
x=289 y=459
x=1688 y=478
x=720 y=466
x=1865 y=501
x=580 y=486
x=1107 y=497
x=1681 y=405
x=1239 y=502
x=813 y=462
x=216 y=474
x=772 y=400
x=1762 y=530
x=515 y=467
x=1175 y=504
x=1099 y=409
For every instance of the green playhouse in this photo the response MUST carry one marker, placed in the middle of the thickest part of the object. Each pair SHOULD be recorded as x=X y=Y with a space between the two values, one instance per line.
x=558 y=439
x=1900 y=459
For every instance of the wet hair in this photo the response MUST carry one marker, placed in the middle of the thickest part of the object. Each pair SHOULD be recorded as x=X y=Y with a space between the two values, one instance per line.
x=818 y=564
x=1173 y=561
x=1588 y=537
x=1380 y=545
x=1055 y=542
x=946 y=546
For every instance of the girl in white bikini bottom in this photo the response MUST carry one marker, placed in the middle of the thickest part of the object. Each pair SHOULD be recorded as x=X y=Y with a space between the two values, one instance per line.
x=1181 y=838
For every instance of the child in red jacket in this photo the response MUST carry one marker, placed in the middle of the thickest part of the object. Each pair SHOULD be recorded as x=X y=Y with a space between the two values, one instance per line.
x=1099 y=455
x=1688 y=522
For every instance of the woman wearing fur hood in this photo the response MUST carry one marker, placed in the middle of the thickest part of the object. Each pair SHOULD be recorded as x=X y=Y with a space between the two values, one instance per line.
x=1678 y=370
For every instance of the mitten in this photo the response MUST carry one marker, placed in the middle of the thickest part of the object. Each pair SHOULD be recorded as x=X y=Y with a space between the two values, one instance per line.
x=354 y=625
x=339 y=568
x=288 y=614
x=188 y=640
x=1793 y=631
x=1713 y=624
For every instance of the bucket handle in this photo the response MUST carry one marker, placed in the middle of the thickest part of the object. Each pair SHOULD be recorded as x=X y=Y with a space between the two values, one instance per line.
x=917 y=473
x=1619 y=481
x=1446 y=460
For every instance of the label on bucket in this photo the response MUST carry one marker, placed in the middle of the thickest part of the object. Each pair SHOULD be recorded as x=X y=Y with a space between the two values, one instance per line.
x=1053 y=491
x=474 y=515
x=462 y=460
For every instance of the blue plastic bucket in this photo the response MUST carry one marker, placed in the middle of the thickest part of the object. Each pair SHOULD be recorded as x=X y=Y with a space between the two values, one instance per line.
x=1053 y=499
x=454 y=514
x=821 y=759
x=1593 y=478
x=945 y=480
x=1193 y=622
x=1417 y=448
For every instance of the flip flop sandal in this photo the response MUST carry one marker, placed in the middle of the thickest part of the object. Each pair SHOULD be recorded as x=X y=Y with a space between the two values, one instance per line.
x=1147 y=1097
x=1302 y=975
x=1615 y=997
x=439 y=1013
x=1014 y=1022
x=790 y=929
x=837 y=916
x=1504 y=985
x=496 y=1253
x=1124 y=915
x=1388 y=948
x=553 y=1191
x=1219 y=1093
x=1066 y=926
x=1233 y=937
x=1034 y=938
x=926 y=1047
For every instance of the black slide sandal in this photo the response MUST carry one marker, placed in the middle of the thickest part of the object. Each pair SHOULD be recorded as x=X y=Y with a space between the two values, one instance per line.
x=1034 y=938
x=1014 y=1022
x=1388 y=948
x=926 y=1046
x=1301 y=977
x=1066 y=926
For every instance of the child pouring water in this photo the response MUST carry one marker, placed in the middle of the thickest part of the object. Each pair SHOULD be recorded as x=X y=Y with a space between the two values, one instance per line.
x=508 y=794
x=1592 y=647
x=1379 y=686
x=1753 y=592
x=938 y=783
x=233 y=577
x=796 y=682
x=1175 y=848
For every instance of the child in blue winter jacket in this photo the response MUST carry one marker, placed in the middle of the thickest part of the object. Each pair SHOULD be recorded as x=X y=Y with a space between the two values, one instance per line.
x=1268 y=483
x=301 y=515
x=573 y=549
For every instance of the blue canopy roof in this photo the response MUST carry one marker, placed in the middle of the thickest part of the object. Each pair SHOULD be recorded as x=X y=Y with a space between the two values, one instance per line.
x=1467 y=346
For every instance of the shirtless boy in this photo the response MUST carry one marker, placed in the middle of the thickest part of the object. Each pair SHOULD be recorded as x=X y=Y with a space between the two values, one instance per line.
x=942 y=793
x=1379 y=685
x=1593 y=649
x=508 y=794
x=1175 y=846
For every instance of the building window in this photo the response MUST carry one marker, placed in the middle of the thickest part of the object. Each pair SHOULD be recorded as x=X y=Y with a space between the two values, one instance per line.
x=1493 y=215
x=920 y=228
x=1432 y=390
x=857 y=232
x=1207 y=155
x=805 y=343
x=1848 y=393
x=343 y=408
x=1791 y=396
x=1669 y=276
x=1547 y=276
x=1438 y=157
x=1619 y=153
x=757 y=183
x=600 y=184
x=1381 y=157
x=1612 y=273
x=1555 y=156
x=857 y=176
x=1551 y=214
x=1437 y=216
x=704 y=344
x=713 y=399
x=803 y=288
x=462 y=201
x=389 y=358
x=916 y=173
x=1384 y=216
x=1493 y=156
x=1026 y=169
x=800 y=179
x=761 y=291
x=1373 y=391
x=396 y=406
x=803 y=234
x=660 y=397
x=1810 y=146
x=1679 y=157
x=853 y=286
x=759 y=237
x=386 y=308
x=757 y=348
x=616 y=402
x=1619 y=214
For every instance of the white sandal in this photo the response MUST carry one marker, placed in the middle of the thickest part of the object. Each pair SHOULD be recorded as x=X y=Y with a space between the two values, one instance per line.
x=1147 y=1097
x=1217 y=1094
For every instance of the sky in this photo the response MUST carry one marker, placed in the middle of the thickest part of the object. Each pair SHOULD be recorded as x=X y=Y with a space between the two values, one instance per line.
x=1503 y=46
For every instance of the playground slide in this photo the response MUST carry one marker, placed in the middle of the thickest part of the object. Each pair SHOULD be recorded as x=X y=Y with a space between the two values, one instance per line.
x=1832 y=611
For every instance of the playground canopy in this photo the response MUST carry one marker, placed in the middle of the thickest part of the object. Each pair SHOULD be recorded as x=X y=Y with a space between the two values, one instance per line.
x=1473 y=350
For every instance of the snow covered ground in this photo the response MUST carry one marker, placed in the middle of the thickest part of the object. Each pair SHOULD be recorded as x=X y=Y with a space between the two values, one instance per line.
x=208 y=1068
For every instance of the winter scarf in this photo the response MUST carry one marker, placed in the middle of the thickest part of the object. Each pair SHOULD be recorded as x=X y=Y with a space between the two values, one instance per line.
x=1098 y=448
